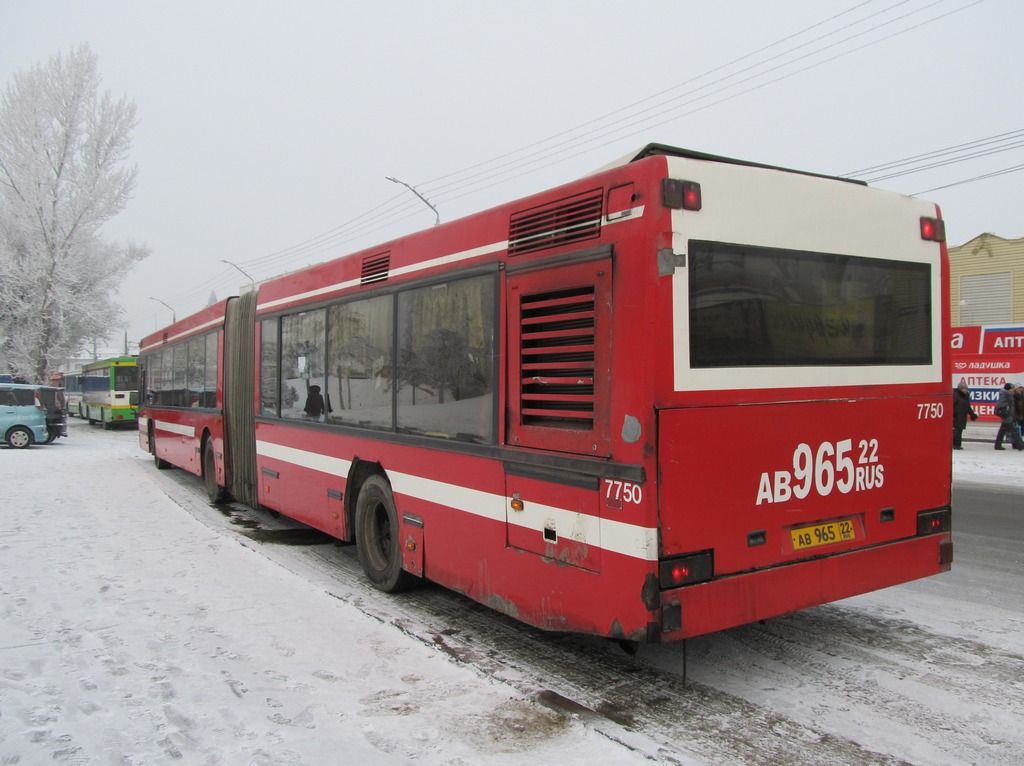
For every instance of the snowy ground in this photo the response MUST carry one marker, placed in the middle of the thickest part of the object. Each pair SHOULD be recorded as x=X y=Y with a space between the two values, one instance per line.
x=131 y=633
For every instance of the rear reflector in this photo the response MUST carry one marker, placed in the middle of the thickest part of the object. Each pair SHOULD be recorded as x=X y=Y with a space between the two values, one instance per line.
x=933 y=229
x=686 y=570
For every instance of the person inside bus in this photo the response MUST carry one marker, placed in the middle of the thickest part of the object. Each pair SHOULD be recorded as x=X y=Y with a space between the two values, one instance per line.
x=962 y=409
x=314 y=403
x=1006 y=410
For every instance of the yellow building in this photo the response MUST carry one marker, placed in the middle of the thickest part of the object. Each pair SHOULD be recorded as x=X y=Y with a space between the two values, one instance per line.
x=986 y=281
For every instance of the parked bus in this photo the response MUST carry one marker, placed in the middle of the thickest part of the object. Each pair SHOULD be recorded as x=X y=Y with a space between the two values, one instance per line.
x=73 y=392
x=110 y=391
x=679 y=395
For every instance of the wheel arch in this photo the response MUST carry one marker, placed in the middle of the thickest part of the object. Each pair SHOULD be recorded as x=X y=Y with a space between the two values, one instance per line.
x=360 y=471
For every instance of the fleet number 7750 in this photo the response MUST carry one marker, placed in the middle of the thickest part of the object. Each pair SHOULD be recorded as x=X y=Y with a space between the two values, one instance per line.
x=617 y=492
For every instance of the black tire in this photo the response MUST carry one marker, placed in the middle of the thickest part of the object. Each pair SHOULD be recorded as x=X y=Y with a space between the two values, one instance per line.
x=214 y=492
x=19 y=437
x=51 y=436
x=377 y=537
x=159 y=462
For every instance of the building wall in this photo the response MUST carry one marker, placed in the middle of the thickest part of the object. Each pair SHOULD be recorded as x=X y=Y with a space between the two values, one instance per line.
x=997 y=299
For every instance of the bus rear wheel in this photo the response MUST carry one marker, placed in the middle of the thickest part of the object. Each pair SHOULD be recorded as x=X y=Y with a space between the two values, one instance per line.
x=377 y=537
x=214 y=492
x=158 y=461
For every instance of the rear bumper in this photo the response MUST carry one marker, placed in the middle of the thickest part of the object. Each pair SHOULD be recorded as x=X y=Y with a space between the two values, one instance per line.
x=740 y=599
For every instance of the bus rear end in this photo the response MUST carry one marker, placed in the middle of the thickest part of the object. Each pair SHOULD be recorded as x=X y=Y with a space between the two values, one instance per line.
x=803 y=424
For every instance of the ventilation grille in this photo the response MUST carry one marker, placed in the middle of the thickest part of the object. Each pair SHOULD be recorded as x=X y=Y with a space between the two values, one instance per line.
x=572 y=220
x=375 y=268
x=557 y=359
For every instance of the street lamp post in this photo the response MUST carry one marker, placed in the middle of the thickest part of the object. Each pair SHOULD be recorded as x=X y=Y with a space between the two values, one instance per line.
x=243 y=271
x=174 y=316
x=426 y=202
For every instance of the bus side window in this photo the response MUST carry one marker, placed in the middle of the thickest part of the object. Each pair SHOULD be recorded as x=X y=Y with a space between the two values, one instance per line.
x=269 y=367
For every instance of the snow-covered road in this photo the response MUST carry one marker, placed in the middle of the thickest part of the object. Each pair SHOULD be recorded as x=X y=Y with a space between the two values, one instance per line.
x=139 y=626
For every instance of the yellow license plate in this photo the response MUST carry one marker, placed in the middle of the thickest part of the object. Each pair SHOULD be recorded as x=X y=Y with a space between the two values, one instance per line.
x=823 y=534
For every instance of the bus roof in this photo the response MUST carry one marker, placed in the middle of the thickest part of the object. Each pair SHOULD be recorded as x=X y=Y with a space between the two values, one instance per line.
x=655 y=150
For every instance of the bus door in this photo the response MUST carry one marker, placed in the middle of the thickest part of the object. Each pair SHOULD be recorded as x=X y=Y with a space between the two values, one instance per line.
x=559 y=351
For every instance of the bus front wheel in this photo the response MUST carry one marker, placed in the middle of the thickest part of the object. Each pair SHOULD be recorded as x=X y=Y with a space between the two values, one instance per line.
x=377 y=537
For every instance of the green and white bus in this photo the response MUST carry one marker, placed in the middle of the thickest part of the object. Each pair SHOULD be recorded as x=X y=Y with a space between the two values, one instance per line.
x=110 y=391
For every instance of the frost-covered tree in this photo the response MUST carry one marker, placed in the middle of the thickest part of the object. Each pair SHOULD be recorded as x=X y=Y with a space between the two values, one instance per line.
x=63 y=174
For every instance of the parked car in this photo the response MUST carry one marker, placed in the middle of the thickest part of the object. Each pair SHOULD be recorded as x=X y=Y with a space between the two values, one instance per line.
x=56 y=412
x=22 y=415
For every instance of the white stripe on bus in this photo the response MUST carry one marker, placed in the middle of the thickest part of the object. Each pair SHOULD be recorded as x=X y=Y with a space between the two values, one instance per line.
x=615 y=536
x=442 y=260
x=162 y=342
x=175 y=428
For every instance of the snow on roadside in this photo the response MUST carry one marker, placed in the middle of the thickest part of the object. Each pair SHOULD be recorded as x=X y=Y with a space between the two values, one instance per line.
x=186 y=646
x=980 y=463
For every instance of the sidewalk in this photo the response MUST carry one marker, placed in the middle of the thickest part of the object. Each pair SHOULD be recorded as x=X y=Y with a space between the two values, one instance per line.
x=981 y=432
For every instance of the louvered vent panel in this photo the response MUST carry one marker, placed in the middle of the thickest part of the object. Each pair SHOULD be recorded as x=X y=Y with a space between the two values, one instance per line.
x=557 y=359
x=571 y=220
x=375 y=268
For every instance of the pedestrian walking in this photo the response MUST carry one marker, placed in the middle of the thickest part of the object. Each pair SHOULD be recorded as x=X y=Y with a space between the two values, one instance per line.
x=1006 y=411
x=962 y=410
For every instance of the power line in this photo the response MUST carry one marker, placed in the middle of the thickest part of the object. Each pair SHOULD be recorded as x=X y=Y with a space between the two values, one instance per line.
x=1013 y=134
x=938 y=158
x=1003 y=172
x=600 y=132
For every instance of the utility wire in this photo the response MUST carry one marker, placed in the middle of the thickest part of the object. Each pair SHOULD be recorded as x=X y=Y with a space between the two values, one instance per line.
x=461 y=183
x=1013 y=134
x=523 y=166
x=1003 y=172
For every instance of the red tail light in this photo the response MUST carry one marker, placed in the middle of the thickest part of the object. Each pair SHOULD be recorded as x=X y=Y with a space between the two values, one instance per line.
x=695 y=567
x=934 y=522
x=680 y=195
x=933 y=229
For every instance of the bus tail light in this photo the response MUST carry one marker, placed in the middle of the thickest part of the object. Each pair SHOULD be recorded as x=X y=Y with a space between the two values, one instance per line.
x=680 y=195
x=933 y=229
x=934 y=522
x=686 y=570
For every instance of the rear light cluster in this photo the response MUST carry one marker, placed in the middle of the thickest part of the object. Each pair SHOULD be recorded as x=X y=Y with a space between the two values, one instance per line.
x=680 y=195
x=933 y=229
x=934 y=522
x=686 y=570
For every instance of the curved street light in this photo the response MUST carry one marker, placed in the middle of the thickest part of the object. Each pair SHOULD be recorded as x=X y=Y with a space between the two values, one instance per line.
x=174 y=316
x=426 y=202
x=243 y=271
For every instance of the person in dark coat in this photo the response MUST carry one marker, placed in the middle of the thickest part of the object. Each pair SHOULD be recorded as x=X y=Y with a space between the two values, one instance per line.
x=962 y=410
x=1006 y=410
x=314 y=403
x=1018 y=403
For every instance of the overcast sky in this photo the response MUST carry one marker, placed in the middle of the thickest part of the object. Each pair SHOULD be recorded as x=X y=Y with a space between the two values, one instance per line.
x=267 y=129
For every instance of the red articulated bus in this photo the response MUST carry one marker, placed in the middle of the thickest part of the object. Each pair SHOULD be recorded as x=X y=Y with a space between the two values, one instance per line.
x=681 y=394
